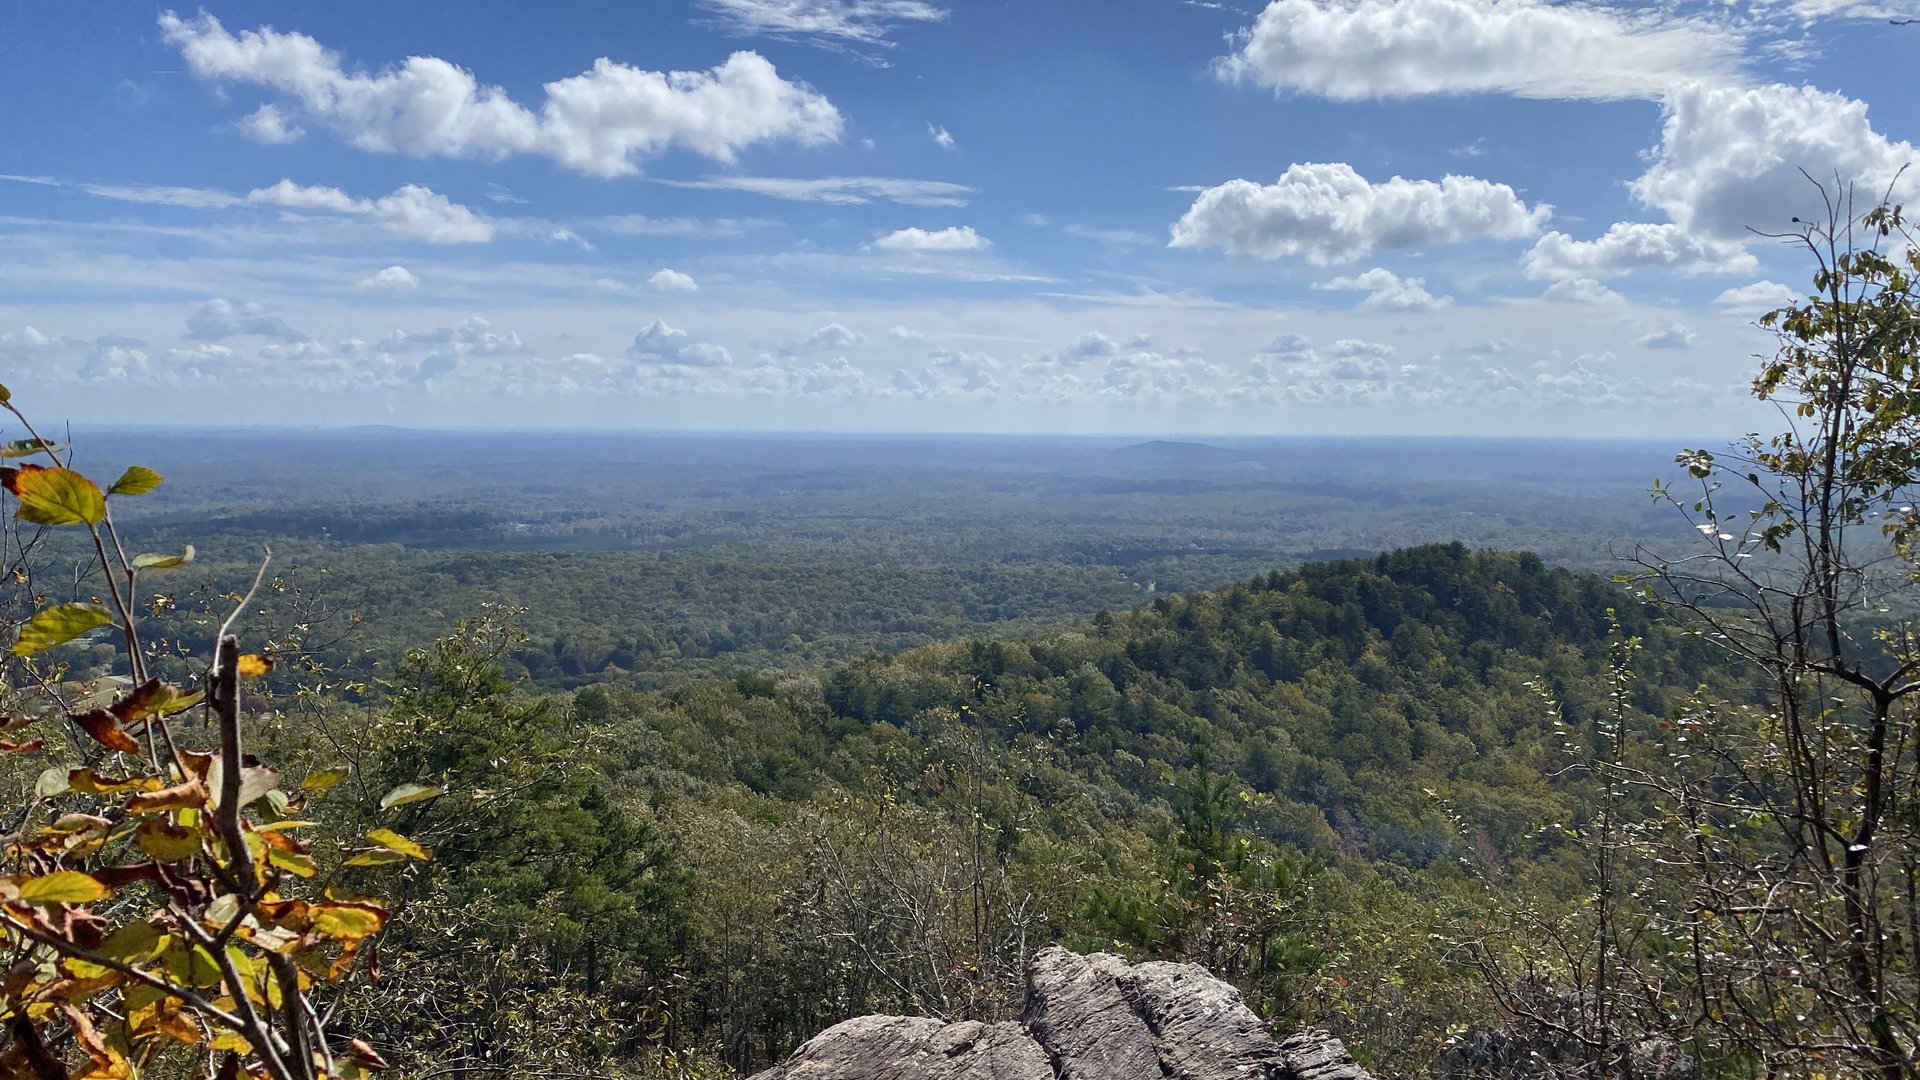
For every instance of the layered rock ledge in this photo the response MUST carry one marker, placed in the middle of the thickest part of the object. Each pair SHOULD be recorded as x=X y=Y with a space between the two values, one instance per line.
x=1087 y=1018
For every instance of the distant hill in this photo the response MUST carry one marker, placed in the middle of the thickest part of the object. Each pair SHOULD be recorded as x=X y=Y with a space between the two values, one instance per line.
x=1174 y=452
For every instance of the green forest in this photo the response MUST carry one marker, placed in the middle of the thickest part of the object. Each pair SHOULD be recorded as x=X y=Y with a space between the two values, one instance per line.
x=420 y=794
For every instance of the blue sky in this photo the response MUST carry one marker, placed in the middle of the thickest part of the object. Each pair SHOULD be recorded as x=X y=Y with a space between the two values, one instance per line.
x=1359 y=216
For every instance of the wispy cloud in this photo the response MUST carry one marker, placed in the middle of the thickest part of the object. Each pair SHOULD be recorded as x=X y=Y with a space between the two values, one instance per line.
x=826 y=24
x=842 y=190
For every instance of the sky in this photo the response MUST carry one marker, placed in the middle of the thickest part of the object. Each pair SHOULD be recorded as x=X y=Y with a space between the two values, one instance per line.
x=1485 y=217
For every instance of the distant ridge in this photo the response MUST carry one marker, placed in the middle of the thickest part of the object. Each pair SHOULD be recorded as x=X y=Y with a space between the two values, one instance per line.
x=1173 y=452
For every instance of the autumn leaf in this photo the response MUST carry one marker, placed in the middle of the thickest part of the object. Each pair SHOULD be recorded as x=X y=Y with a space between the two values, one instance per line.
x=20 y=448
x=348 y=922
x=163 y=562
x=63 y=887
x=134 y=943
x=57 y=496
x=325 y=778
x=154 y=698
x=393 y=841
x=137 y=480
x=88 y=782
x=192 y=794
x=105 y=730
x=409 y=793
x=58 y=625
x=293 y=862
x=165 y=841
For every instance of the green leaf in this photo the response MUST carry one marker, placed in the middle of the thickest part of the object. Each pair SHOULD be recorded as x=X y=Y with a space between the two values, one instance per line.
x=163 y=562
x=29 y=447
x=58 y=625
x=55 y=496
x=409 y=793
x=137 y=480
x=133 y=943
x=63 y=887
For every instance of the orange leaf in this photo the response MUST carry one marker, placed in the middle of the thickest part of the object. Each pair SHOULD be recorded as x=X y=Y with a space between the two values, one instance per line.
x=190 y=795
x=105 y=730
x=365 y=1055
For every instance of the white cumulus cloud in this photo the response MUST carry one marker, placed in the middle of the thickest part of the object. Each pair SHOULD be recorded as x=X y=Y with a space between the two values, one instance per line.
x=1630 y=246
x=1667 y=337
x=219 y=319
x=599 y=122
x=1759 y=296
x=1329 y=213
x=412 y=211
x=1580 y=291
x=391 y=279
x=955 y=238
x=831 y=337
x=1388 y=291
x=668 y=280
x=1359 y=49
x=267 y=124
x=1730 y=158
x=660 y=345
x=941 y=136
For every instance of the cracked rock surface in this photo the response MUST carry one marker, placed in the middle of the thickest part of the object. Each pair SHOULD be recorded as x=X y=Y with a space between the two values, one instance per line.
x=1087 y=1018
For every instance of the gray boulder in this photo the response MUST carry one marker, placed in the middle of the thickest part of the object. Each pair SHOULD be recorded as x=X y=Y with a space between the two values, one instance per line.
x=915 y=1048
x=1087 y=1018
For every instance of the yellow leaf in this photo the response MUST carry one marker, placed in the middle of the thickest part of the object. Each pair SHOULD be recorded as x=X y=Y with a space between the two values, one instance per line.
x=326 y=778
x=253 y=665
x=63 y=887
x=349 y=922
x=165 y=841
x=282 y=826
x=393 y=841
x=292 y=862
x=55 y=496
x=88 y=782
x=83 y=969
x=408 y=793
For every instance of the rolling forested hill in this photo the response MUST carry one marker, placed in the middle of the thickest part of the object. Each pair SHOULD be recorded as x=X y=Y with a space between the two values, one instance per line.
x=1310 y=780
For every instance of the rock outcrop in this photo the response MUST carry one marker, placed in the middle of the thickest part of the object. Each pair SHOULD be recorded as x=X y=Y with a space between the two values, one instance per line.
x=1087 y=1018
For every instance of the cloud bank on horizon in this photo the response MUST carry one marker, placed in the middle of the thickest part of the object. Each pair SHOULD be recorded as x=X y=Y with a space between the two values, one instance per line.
x=1432 y=216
